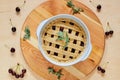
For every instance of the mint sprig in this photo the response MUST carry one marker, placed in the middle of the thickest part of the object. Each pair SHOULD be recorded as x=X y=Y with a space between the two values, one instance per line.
x=74 y=8
x=70 y=4
x=51 y=70
x=57 y=73
x=60 y=35
x=27 y=33
x=64 y=37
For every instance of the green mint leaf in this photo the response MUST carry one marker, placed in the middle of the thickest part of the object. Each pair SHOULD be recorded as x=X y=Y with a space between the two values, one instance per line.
x=58 y=77
x=74 y=8
x=26 y=36
x=27 y=33
x=27 y=30
x=61 y=34
x=59 y=74
x=51 y=70
x=60 y=38
x=77 y=10
x=70 y=4
x=66 y=38
x=66 y=41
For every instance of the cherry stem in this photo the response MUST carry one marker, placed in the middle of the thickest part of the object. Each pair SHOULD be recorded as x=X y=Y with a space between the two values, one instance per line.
x=23 y=4
x=105 y=65
x=108 y=25
x=17 y=68
x=14 y=68
x=7 y=46
x=93 y=3
x=22 y=67
x=11 y=22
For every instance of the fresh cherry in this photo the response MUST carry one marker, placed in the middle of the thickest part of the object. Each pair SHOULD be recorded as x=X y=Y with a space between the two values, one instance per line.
x=99 y=68
x=111 y=32
x=99 y=7
x=17 y=71
x=12 y=50
x=13 y=29
x=103 y=70
x=17 y=9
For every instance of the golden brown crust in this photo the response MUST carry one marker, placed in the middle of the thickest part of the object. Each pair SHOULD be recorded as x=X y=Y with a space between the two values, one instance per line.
x=54 y=48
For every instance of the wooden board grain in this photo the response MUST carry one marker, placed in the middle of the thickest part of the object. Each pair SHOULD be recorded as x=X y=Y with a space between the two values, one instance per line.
x=39 y=64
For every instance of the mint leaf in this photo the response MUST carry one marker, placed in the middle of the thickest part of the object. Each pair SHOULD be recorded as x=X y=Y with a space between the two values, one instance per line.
x=59 y=74
x=63 y=36
x=66 y=38
x=66 y=41
x=27 y=33
x=26 y=36
x=74 y=8
x=70 y=4
x=51 y=70
x=77 y=10
x=60 y=35
x=27 y=30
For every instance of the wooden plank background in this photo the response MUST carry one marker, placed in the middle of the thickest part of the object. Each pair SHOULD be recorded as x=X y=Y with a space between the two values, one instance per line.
x=39 y=64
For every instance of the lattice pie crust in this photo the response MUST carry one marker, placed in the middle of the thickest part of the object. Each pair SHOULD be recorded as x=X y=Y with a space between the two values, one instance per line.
x=54 y=48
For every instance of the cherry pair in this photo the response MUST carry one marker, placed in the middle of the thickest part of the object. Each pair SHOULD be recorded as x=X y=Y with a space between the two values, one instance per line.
x=17 y=71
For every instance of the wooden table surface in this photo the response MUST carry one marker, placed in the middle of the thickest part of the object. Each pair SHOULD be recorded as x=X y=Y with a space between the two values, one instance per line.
x=109 y=13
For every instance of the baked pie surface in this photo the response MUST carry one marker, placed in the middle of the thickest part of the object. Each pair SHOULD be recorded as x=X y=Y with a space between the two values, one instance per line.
x=56 y=49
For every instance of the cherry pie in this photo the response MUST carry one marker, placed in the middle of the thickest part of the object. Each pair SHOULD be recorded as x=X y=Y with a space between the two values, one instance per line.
x=63 y=40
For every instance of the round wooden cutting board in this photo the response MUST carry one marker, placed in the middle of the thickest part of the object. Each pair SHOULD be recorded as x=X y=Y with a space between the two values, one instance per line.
x=33 y=56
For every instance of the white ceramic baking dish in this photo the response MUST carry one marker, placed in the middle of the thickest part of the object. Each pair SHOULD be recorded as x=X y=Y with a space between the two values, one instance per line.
x=87 y=49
